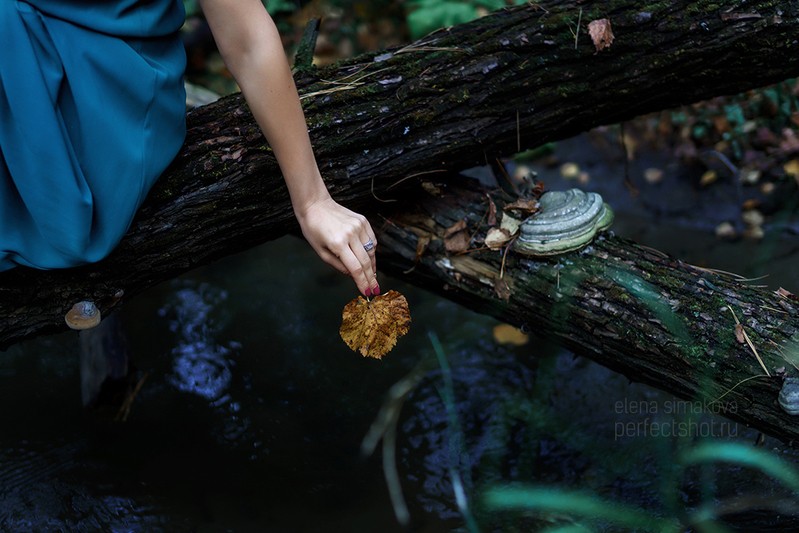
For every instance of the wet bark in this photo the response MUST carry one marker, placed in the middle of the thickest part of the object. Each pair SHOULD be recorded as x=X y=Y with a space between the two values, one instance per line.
x=456 y=98
x=628 y=307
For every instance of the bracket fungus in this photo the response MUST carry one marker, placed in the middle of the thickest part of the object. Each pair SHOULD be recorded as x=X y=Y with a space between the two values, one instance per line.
x=566 y=221
x=83 y=315
x=789 y=396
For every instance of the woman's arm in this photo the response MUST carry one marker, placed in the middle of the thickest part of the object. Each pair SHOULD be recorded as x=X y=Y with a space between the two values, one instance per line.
x=251 y=47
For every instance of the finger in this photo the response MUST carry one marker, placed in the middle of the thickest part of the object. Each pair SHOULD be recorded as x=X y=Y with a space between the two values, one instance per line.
x=356 y=270
x=367 y=234
x=366 y=265
x=333 y=261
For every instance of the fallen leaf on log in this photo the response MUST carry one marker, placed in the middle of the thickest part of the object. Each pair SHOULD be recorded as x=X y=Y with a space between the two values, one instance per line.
x=421 y=245
x=496 y=238
x=523 y=206
x=786 y=294
x=455 y=228
x=510 y=224
x=492 y=212
x=601 y=34
x=502 y=289
x=372 y=327
x=431 y=188
x=456 y=239
x=739 y=333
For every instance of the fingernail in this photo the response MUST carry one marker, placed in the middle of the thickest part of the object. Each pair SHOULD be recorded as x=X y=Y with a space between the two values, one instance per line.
x=376 y=290
x=367 y=292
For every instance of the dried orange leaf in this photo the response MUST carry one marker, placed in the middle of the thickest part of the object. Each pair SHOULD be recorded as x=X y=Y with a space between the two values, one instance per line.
x=492 y=212
x=455 y=237
x=786 y=294
x=502 y=289
x=524 y=206
x=455 y=228
x=372 y=327
x=601 y=34
x=421 y=245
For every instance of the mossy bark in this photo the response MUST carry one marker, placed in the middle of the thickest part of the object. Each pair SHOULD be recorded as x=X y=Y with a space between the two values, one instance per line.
x=633 y=309
x=456 y=98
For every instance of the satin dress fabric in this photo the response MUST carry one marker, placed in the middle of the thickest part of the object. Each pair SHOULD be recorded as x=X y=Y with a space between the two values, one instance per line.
x=92 y=111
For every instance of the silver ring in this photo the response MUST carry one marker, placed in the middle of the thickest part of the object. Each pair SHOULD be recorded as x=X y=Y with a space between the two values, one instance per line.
x=369 y=246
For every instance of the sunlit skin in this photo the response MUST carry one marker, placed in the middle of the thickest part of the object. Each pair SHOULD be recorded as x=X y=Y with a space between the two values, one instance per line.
x=252 y=50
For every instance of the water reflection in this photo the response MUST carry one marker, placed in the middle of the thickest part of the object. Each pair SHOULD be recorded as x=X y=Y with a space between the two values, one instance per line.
x=201 y=365
x=487 y=386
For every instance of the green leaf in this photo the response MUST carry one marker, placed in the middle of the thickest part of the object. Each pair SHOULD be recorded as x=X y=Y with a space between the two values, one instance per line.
x=744 y=455
x=434 y=15
x=573 y=503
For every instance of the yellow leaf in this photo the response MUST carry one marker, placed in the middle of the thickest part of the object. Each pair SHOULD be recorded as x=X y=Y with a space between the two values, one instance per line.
x=708 y=177
x=507 y=334
x=372 y=327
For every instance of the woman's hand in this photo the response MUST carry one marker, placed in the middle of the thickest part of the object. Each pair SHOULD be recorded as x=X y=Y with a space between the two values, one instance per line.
x=253 y=52
x=339 y=235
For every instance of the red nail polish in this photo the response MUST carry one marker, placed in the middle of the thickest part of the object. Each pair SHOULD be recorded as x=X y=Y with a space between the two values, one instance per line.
x=376 y=290
x=368 y=293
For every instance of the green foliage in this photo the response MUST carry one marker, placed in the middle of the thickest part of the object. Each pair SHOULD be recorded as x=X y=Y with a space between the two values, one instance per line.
x=575 y=504
x=281 y=6
x=428 y=15
x=192 y=7
x=742 y=455
x=593 y=509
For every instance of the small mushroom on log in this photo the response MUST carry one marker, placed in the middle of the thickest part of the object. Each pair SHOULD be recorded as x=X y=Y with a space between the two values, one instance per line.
x=83 y=315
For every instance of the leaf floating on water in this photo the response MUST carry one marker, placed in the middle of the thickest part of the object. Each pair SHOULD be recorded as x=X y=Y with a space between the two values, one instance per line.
x=507 y=334
x=792 y=168
x=372 y=327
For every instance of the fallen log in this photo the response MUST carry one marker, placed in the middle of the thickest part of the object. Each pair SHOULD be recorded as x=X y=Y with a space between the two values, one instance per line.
x=458 y=97
x=628 y=307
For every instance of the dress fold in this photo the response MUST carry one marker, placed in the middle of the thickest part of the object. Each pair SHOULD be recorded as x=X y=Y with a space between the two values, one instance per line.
x=92 y=110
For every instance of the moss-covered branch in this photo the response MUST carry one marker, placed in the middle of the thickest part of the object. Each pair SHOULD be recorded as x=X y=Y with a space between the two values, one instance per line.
x=631 y=308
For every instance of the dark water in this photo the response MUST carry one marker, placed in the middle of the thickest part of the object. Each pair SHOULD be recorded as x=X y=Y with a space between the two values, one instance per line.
x=253 y=410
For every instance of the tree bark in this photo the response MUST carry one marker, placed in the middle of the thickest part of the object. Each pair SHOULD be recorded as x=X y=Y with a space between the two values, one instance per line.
x=630 y=308
x=456 y=98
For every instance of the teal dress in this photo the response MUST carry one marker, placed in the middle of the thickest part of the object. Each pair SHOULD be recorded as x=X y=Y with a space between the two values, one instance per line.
x=92 y=110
